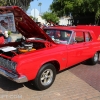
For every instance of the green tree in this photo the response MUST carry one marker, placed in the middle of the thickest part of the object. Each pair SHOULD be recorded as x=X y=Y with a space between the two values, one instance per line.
x=24 y=4
x=52 y=17
x=77 y=7
x=2 y=2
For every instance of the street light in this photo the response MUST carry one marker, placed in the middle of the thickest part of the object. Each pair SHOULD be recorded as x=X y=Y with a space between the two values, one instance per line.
x=40 y=6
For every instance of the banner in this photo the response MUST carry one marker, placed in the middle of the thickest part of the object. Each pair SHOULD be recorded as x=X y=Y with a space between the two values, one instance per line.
x=7 y=22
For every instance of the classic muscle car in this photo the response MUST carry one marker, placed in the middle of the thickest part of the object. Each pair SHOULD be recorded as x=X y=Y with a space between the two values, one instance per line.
x=50 y=51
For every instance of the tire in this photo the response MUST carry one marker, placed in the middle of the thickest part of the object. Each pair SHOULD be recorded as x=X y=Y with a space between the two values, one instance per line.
x=94 y=59
x=45 y=77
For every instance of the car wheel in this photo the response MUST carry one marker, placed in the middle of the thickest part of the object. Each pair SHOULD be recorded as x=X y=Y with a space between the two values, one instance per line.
x=94 y=59
x=45 y=77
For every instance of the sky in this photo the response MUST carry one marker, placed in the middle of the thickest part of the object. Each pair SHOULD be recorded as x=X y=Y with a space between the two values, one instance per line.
x=44 y=7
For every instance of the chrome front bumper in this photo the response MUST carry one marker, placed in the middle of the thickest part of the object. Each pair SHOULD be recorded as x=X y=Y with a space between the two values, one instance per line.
x=13 y=77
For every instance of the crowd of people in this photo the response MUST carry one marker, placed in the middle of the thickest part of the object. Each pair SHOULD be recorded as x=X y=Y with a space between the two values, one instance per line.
x=4 y=37
x=42 y=25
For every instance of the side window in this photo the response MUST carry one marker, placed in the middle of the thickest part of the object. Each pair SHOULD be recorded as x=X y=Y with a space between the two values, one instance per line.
x=57 y=34
x=87 y=37
x=79 y=37
x=50 y=33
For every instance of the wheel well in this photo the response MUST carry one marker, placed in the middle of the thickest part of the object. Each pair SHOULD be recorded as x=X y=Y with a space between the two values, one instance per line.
x=55 y=63
x=98 y=51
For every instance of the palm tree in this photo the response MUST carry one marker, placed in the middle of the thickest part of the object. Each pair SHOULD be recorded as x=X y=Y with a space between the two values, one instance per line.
x=40 y=6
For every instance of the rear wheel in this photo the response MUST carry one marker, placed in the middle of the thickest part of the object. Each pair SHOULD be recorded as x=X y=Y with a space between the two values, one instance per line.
x=94 y=59
x=45 y=77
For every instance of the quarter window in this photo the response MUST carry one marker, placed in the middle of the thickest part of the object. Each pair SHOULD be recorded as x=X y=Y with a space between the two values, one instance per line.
x=87 y=37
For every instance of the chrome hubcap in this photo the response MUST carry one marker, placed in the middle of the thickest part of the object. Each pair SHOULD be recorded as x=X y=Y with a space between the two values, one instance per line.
x=95 y=57
x=46 y=77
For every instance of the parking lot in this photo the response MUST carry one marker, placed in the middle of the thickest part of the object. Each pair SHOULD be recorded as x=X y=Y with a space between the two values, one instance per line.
x=81 y=82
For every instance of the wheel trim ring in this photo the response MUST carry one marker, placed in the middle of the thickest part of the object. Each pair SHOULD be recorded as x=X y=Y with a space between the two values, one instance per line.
x=47 y=78
x=95 y=57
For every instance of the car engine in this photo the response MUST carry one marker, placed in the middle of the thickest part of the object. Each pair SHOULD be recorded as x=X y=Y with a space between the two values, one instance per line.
x=20 y=48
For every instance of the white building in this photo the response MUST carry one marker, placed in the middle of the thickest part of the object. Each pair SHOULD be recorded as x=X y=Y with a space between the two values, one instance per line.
x=65 y=21
x=40 y=19
x=62 y=21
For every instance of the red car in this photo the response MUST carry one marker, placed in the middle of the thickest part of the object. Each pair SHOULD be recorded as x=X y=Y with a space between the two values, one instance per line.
x=50 y=51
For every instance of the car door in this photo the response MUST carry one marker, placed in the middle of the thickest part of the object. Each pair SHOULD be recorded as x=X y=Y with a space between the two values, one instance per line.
x=88 y=47
x=76 y=48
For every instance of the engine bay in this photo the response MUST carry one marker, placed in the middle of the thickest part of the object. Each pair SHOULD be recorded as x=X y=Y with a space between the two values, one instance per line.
x=22 y=47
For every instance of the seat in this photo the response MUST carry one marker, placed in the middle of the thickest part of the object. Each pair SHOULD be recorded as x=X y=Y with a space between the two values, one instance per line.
x=79 y=39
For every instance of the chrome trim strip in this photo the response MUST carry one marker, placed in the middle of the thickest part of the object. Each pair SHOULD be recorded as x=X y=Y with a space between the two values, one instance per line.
x=13 y=77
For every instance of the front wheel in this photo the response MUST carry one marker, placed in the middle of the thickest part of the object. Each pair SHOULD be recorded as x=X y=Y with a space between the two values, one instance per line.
x=94 y=59
x=45 y=77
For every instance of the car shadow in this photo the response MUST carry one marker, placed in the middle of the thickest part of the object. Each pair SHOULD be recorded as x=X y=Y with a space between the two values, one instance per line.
x=68 y=68
x=9 y=85
x=31 y=86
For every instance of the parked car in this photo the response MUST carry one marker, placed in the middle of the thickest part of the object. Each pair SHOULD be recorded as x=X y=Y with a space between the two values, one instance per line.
x=50 y=51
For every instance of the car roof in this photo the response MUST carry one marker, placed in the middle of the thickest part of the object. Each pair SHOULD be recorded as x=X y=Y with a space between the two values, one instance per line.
x=72 y=28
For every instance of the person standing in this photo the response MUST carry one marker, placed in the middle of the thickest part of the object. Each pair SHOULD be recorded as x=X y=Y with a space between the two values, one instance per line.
x=8 y=38
x=2 y=37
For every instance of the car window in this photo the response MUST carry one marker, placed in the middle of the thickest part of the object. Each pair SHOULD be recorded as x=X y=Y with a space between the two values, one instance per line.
x=50 y=32
x=79 y=37
x=87 y=37
x=59 y=36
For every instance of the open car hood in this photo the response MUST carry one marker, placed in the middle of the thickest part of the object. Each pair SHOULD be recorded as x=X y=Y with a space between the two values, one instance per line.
x=24 y=24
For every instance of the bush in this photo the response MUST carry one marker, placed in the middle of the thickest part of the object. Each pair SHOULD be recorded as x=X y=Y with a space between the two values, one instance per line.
x=9 y=32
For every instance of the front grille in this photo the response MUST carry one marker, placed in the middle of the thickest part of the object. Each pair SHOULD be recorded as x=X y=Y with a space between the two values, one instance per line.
x=6 y=63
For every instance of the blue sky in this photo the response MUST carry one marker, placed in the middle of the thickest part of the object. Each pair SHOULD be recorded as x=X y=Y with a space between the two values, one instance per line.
x=44 y=7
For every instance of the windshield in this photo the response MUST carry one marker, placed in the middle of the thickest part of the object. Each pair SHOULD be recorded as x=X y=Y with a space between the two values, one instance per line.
x=59 y=36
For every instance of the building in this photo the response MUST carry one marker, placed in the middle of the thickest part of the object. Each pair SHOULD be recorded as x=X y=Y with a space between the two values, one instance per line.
x=65 y=21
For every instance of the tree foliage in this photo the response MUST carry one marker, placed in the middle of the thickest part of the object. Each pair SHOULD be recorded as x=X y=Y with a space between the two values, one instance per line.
x=2 y=2
x=24 y=4
x=48 y=16
x=77 y=7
